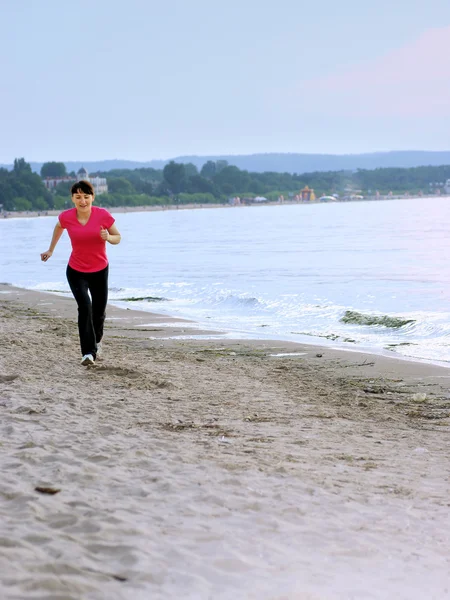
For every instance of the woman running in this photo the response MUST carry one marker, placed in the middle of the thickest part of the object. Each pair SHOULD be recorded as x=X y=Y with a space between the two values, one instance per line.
x=89 y=228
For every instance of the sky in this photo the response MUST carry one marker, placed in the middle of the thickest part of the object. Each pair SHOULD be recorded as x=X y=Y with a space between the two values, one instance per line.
x=155 y=79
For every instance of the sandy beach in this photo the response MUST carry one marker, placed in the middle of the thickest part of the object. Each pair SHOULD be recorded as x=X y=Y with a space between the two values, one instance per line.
x=152 y=208
x=212 y=468
x=28 y=214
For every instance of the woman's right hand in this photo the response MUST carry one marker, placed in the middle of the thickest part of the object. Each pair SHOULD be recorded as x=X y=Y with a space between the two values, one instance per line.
x=46 y=255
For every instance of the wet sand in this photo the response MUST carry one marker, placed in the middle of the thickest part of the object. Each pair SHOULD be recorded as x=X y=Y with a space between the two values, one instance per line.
x=215 y=469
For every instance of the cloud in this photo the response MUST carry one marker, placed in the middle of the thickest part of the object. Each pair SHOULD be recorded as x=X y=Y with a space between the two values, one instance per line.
x=412 y=81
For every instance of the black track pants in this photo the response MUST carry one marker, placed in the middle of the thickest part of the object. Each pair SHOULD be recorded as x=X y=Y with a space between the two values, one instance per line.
x=91 y=308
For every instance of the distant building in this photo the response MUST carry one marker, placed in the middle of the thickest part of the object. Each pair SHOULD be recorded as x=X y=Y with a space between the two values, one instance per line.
x=307 y=194
x=51 y=182
x=447 y=186
x=99 y=183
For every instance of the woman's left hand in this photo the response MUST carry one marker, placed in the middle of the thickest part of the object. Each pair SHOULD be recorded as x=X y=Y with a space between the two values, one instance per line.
x=104 y=234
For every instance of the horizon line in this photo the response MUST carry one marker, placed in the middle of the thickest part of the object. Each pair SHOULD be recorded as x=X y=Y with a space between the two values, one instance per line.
x=374 y=152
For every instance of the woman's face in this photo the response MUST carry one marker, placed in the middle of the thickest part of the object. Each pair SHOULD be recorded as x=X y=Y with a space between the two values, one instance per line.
x=82 y=201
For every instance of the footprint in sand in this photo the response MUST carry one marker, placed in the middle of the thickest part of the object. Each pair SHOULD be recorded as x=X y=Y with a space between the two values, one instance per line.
x=131 y=374
x=121 y=372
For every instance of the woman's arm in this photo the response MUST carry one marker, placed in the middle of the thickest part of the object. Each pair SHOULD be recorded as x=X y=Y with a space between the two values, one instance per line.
x=111 y=235
x=57 y=233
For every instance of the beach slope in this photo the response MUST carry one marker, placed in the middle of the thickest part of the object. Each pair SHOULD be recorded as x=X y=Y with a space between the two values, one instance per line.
x=198 y=469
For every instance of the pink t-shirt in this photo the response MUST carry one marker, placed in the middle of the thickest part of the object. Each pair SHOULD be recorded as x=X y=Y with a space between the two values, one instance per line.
x=88 y=248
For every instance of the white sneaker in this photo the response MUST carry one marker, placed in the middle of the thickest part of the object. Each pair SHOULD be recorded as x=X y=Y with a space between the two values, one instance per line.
x=99 y=349
x=87 y=360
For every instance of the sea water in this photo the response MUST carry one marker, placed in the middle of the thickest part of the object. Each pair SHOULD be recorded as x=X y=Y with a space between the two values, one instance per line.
x=370 y=275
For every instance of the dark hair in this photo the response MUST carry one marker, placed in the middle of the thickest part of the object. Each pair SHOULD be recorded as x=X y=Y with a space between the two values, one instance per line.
x=83 y=186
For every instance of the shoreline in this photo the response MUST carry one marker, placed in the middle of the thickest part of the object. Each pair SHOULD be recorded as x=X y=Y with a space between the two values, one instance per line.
x=138 y=323
x=195 y=329
x=214 y=468
x=157 y=208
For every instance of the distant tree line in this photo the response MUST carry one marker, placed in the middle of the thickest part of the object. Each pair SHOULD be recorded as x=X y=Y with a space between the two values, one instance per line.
x=21 y=189
x=215 y=182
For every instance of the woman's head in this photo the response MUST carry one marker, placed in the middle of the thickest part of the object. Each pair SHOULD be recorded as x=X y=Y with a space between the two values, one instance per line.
x=82 y=187
x=82 y=196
